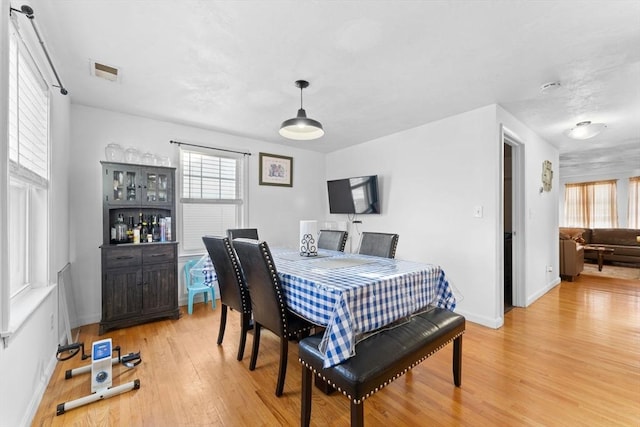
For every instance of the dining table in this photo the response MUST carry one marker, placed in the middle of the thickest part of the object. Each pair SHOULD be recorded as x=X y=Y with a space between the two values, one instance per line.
x=353 y=295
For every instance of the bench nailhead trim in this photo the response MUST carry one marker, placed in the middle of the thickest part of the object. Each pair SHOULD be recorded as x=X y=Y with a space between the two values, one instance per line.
x=387 y=382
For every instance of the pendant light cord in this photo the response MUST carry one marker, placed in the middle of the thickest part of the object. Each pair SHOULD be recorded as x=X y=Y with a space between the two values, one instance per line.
x=301 y=98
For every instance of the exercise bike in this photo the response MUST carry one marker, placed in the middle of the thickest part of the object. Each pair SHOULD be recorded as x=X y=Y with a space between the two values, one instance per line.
x=100 y=369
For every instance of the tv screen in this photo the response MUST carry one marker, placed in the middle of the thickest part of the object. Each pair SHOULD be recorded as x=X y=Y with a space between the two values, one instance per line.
x=340 y=200
x=358 y=195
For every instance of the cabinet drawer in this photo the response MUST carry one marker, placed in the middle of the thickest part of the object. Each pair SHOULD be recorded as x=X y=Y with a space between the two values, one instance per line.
x=159 y=254
x=122 y=257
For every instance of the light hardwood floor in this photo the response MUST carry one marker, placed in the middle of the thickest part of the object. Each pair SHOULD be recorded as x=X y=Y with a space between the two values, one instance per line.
x=570 y=359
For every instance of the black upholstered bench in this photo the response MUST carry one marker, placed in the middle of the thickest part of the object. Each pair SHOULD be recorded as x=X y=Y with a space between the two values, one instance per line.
x=381 y=358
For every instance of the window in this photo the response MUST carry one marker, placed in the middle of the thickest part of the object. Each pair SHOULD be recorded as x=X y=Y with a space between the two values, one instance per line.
x=634 y=202
x=212 y=195
x=28 y=212
x=591 y=205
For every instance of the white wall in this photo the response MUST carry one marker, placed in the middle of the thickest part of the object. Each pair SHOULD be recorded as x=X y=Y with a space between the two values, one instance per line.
x=622 y=191
x=539 y=238
x=431 y=178
x=28 y=358
x=275 y=211
x=26 y=365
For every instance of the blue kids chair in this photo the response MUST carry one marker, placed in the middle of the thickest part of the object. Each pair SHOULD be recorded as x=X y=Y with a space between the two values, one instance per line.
x=194 y=279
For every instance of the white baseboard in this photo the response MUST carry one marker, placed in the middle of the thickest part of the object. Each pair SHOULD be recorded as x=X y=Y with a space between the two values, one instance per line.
x=533 y=298
x=481 y=320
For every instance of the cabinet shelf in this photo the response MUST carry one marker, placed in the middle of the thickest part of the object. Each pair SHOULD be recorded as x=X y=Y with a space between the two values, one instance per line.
x=119 y=245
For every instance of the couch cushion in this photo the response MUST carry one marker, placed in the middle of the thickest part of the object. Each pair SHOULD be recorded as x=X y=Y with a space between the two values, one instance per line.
x=576 y=234
x=622 y=250
x=615 y=236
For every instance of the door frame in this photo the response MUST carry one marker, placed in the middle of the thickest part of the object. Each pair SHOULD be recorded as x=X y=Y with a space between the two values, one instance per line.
x=517 y=216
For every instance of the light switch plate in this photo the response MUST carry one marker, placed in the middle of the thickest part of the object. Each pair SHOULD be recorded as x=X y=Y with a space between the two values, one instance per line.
x=477 y=211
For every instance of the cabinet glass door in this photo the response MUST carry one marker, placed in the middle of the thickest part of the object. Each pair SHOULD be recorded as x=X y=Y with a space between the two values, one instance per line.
x=122 y=185
x=132 y=192
x=158 y=187
x=152 y=187
x=163 y=188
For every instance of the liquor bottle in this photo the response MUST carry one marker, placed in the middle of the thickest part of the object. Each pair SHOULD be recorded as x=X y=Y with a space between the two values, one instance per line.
x=155 y=228
x=121 y=230
x=144 y=230
x=130 y=228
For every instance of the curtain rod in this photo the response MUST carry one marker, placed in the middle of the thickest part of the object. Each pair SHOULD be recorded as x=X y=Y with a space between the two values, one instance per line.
x=28 y=12
x=209 y=148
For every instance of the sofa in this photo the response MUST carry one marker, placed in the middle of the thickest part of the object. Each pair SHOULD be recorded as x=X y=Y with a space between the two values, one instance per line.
x=623 y=241
x=571 y=259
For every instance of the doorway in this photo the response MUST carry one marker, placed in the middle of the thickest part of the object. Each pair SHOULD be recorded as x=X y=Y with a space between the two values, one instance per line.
x=507 y=226
x=512 y=221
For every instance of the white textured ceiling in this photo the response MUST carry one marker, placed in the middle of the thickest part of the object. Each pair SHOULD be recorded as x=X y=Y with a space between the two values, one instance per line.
x=375 y=67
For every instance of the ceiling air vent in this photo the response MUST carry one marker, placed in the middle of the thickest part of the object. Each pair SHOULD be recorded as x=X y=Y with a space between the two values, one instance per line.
x=104 y=71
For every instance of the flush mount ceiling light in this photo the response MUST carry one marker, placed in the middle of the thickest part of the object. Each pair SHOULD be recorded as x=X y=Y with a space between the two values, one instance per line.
x=301 y=127
x=585 y=130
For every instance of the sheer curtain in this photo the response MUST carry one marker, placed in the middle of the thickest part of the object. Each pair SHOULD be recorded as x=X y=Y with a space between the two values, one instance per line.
x=634 y=202
x=591 y=204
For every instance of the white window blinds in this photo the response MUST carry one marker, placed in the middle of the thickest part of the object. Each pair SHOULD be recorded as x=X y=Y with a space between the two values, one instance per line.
x=28 y=117
x=210 y=178
x=212 y=195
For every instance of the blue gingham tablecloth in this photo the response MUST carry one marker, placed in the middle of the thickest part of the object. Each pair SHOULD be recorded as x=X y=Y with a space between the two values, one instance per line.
x=351 y=294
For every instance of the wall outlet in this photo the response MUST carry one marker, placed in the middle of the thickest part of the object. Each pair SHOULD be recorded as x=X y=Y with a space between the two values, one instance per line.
x=549 y=268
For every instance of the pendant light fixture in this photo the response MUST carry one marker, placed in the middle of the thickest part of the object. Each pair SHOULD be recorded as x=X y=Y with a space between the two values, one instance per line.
x=301 y=127
x=585 y=130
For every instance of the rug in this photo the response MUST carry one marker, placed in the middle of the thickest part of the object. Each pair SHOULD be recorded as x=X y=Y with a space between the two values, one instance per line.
x=615 y=271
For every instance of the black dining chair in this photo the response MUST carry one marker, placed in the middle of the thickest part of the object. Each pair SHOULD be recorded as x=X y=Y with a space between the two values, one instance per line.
x=333 y=240
x=268 y=303
x=378 y=244
x=234 y=293
x=242 y=233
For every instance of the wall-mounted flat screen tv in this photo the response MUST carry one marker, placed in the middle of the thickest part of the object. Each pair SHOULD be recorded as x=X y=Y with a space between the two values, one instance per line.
x=358 y=195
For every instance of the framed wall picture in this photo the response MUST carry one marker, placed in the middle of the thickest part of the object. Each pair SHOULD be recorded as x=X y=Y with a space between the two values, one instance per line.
x=276 y=170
